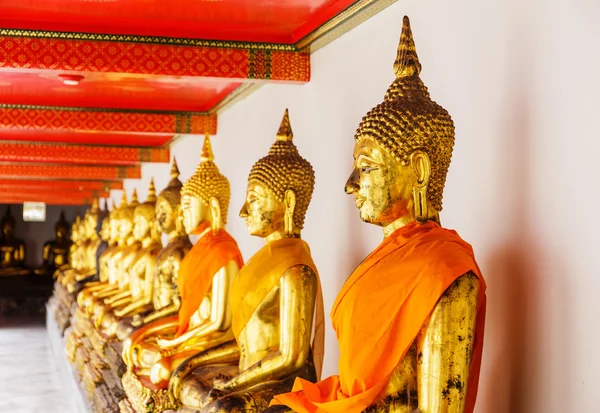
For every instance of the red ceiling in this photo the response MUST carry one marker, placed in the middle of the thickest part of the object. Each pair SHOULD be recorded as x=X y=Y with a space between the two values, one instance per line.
x=114 y=90
x=127 y=98
x=271 y=21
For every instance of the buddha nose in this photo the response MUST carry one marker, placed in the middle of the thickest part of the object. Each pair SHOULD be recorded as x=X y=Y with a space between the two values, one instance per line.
x=244 y=211
x=352 y=182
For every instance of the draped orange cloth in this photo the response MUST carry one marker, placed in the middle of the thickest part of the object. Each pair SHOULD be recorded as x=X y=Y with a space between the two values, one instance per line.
x=262 y=273
x=210 y=253
x=379 y=312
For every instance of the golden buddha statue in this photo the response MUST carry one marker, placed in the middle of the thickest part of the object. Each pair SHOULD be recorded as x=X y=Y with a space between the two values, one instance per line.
x=140 y=273
x=204 y=280
x=55 y=253
x=119 y=265
x=12 y=259
x=274 y=298
x=165 y=296
x=110 y=227
x=410 y=318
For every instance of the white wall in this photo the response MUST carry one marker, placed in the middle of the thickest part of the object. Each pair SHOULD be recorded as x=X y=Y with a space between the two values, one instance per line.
x=520 y=79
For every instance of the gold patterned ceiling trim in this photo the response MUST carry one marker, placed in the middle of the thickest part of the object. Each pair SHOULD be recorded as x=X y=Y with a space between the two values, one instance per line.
x=345 y=21
x=111 y=110
x=173 y=41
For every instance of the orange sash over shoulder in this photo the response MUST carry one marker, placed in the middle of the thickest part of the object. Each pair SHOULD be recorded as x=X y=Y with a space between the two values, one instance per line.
x=262 y=273
x=211 y=253
x=380 y=311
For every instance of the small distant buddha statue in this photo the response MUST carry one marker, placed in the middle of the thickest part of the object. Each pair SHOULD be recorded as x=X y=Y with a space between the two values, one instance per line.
x=204 y=282
x=87 y=295
x=56 y=252
x=119 y=264
x=140 y=272
x=12 y=260
x=165 y=296
x=273 y=298
x=410 y=318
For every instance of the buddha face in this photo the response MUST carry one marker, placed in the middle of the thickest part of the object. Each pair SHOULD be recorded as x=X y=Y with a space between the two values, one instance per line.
x=61 y=233
x=165 y=218
x=263 y=212
x=194 y=212
x=114 y=228
x=125 y=227
x=8 y=228
x=382 y=186
x=141 y=227
x=105 y=230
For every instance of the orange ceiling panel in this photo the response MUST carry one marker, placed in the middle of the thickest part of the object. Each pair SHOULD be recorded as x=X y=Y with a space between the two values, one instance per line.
x=86 y=138
x=79 y=154
x=114 y=90
x=272 y=21
x=79 y=172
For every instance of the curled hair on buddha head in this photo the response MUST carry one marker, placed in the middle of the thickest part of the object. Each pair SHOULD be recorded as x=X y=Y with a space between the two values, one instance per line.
x=172 y=193
x=408 y=120
x=147 y=209
x=128 y=209
x=284 y=169
x=207 y=182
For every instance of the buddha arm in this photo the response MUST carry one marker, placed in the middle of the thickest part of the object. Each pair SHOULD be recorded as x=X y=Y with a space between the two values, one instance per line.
x=220 y=311
x=163 y=312
x=445 y=347
x=21 y=254
x=117 y=297
x=298 y=289
x=225 y=353
x=168 y=324
x=46 y=253
x=147 y=289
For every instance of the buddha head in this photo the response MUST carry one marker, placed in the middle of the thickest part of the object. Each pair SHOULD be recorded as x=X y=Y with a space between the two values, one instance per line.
x=8 y=225
x=75 y=230
x=61 y=228
x=115 y=218
x=168 y=204
x=280 y=188
x=205 y=196
x=126 y=217
x=402 y=149
x=144 y=216
x=105 y=229
x=90 y=219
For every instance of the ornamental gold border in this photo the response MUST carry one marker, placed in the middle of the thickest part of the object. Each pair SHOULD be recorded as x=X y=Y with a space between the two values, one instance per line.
x=342 y=23
x=168 y=41
x=104 y=110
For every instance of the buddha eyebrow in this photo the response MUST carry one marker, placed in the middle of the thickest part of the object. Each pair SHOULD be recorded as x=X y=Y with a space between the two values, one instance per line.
x=368 y=158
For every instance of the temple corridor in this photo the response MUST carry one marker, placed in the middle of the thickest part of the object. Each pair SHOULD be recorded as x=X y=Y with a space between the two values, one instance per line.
x=29 y=381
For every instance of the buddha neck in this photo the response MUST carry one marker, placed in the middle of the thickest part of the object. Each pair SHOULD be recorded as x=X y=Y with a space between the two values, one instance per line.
x=409 y=218
x=279 y=235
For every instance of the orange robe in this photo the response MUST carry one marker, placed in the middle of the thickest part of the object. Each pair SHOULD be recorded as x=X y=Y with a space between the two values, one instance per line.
x=197 y=269
x=380 y=311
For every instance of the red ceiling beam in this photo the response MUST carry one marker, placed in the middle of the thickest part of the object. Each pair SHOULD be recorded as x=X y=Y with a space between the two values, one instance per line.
x=23 y=49
x=78 y=172
x=80 y=154
x=42 y=118
x=7 y=185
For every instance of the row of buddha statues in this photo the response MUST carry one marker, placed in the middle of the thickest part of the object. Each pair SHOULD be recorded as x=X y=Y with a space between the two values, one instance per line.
x=55 y=253
x=195 y=328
